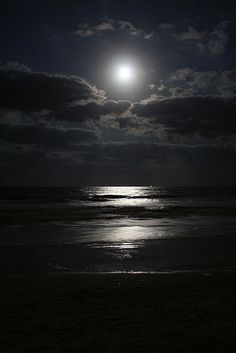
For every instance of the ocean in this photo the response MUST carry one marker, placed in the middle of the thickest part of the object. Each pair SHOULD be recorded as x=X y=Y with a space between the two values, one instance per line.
x=117 y=229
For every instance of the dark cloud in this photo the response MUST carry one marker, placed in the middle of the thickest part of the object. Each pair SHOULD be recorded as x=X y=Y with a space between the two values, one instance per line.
x=203 y=116
x=126 y=163
x=188 y=82
x=130 y=155
x=91 y=110
x=40 y=134
x=29 y=91
x=55 y=122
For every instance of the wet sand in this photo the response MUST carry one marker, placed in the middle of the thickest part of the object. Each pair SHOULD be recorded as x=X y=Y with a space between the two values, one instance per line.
x=178 y=312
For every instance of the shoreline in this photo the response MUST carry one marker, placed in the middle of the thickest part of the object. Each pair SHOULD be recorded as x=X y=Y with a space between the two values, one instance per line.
x=203 y=272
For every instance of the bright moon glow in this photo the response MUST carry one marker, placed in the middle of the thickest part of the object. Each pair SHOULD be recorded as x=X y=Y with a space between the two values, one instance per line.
x=125 y=73
x=124 y=77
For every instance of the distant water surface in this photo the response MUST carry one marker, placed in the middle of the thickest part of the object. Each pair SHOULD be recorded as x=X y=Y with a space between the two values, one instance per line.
x=100 y=229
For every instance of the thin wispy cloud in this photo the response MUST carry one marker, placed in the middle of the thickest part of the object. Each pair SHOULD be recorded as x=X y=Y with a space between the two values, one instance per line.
x=86 y=30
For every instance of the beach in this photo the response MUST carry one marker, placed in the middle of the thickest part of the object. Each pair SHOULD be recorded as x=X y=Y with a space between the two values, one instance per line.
x=118 y=269
x=168 y=312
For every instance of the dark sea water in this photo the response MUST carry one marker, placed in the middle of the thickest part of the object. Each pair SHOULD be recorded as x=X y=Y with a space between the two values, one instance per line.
x=117 y=229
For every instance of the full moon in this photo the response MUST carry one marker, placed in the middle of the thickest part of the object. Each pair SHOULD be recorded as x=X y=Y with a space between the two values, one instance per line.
x=124 y=74
x=123 y=77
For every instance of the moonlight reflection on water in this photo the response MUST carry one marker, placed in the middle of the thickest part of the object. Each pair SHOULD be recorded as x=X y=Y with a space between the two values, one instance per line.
x=119 y=228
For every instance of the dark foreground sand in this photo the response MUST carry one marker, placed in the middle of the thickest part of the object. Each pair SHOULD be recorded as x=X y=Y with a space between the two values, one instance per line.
x=188 y=312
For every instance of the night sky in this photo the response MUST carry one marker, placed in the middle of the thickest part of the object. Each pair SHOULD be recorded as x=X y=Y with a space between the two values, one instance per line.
x=68 y=118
